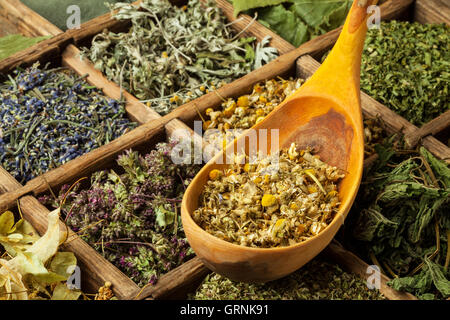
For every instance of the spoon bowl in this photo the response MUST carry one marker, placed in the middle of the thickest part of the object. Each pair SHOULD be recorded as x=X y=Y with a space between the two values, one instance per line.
x=324 y=114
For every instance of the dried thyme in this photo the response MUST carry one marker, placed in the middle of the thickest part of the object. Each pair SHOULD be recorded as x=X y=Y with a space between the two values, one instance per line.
x=400 y=220
x=317 y=280
x=49 y=117
x=133 y=218
x=258 y=205
x=172 y=55
x=405 y=66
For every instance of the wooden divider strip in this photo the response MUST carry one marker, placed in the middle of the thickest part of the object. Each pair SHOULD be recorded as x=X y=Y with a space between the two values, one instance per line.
x=432 y=11
x=85 y=164
x=433 y=127
x=176 y=283
x=136 y=110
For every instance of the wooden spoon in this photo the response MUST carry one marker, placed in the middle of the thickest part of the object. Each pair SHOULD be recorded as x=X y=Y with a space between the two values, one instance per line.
x=325 y=114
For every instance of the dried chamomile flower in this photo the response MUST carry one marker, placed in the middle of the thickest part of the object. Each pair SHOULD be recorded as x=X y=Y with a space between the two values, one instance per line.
x=280 y=200
x=105 y=292
x=244 y=112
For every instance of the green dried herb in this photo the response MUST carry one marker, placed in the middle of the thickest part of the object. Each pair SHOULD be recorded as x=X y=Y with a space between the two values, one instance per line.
x=13 y=43
x=172 y=55
x=405 y=66
x=297 y=21
x=317 y=280
x=400 y=220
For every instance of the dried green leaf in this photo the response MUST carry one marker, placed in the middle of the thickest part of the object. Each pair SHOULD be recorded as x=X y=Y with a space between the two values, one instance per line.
x=6 y=222
x=63 y=264
x=164 y=217
x=439 y=279
x=61 y=292
x=244 y=5
x=441 y=171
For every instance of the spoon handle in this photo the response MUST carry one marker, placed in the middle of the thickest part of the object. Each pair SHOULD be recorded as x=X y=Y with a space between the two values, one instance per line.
x=338 y=77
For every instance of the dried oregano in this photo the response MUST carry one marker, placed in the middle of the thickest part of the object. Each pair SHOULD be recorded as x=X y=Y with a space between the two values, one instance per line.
x=132 y=216
x=277 y=200
x=405 y=66
x=317 y=280
x=171 y=55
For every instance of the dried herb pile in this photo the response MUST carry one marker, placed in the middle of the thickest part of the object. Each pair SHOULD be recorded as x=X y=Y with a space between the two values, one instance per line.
x=51 y=116
x=277 y=200
x=317 y=280
x=32 y=268
x=244 y=112
x=133 y=218
x=405 y=66
x=237 y=114
x=172 y=55
x=400 y=220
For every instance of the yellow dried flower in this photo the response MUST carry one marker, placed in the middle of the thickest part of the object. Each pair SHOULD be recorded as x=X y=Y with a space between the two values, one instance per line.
x=259 y=119
x=214 y=174
x=268 y=200
x=228 y=112
x=259 y=112
x=206 y=124
x=257 y=88
x=243 y=101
